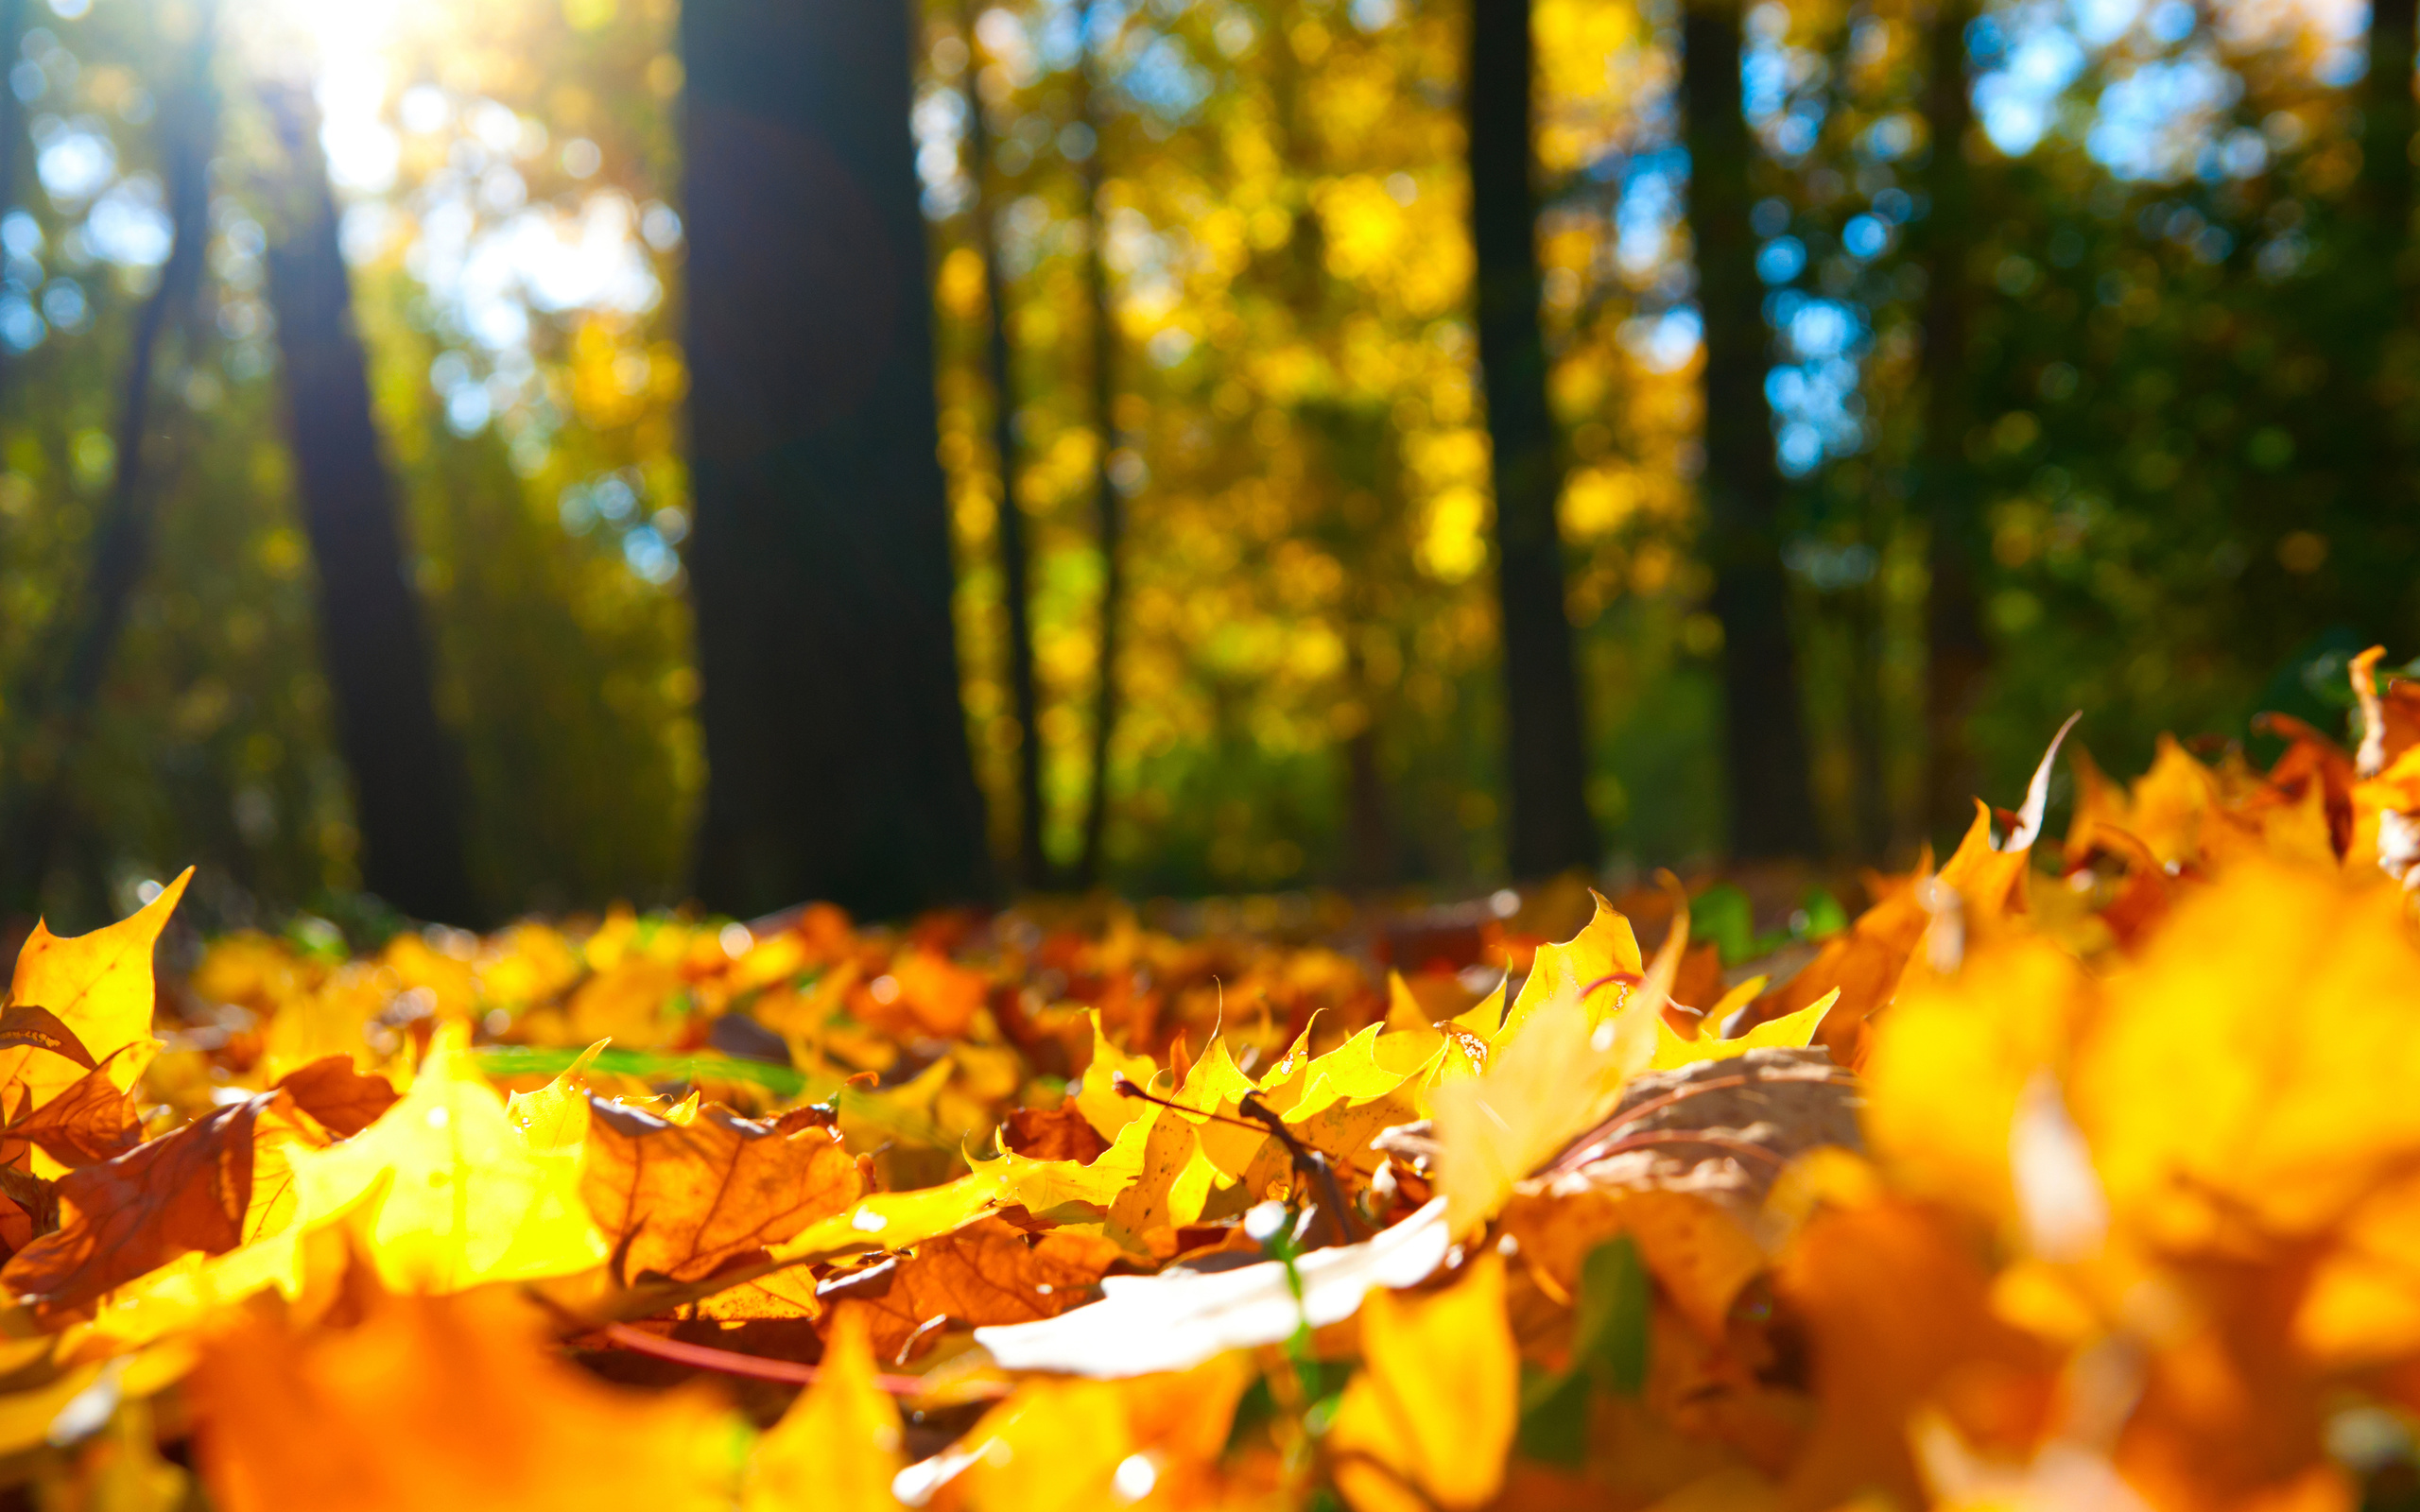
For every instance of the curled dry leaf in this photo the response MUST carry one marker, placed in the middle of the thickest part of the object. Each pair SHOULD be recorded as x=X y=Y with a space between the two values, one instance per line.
x=1722 y=1129
x=91 y=1122
x=1062 y=1133
x=342 y=1099
x=182 y=1192
x=1683 y=1166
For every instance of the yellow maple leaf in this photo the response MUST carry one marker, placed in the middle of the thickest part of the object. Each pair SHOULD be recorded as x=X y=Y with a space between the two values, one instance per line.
x=466 y=1198
x=1548 y=1076
x=555 y=1117
x=1435 y=1406
x=1793 y=1030
x=97 y=985
x=1600 y=963
x=1098 y=1099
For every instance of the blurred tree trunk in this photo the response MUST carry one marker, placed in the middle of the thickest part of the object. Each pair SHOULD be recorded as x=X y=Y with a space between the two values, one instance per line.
x=1765 y=740
x=408 y=779
x=59 y=706
x=1956 y=652
x=1025 y=699
x=1549 y=828
x=821 y=562
x=2386 y=117
x=1111 y=511
x=2387 y=360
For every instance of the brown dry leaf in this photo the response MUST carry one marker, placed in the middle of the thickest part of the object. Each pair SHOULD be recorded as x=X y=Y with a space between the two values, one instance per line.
x=1061 y=1133
x=1721 y=1128
x=185 y=1190
x=683 y=1202
x=91 y=1122
x=1430 y=1417
x=342 y=1099
x=449 y=1403
x=27 y=1025
x=989 y=1272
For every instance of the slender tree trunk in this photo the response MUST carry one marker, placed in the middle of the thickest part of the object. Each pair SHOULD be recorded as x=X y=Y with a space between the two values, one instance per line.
x=1765 y=740
x=1958 y=653
x=1111 y=522
x=820 y=563
x=408 y=779
x=1549 y=828
x=1017 y=590
x=1370 y=844
x=87 y=640
x=2386 y=117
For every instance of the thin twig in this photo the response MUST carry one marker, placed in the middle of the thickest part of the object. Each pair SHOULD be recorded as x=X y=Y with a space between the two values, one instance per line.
x=755 y=1368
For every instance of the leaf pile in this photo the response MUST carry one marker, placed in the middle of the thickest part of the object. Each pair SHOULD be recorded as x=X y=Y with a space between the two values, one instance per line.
x=2078 y=1174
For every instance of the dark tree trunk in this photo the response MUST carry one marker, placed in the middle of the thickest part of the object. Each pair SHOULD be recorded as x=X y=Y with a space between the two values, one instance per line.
x=408 y=779
x=2383 y=362
x=1017 y=590
x=87 y=640
x=1110 y=510
x=1958 y=653
x=1549 y=828
x=820 y=563
x=1765 y=741
x=2386 y=117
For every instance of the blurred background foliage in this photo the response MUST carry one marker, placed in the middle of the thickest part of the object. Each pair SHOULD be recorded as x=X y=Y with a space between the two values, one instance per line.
x=2190 y=378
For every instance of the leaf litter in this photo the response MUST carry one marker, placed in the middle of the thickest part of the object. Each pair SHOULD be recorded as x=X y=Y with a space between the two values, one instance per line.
x=2065 y=1175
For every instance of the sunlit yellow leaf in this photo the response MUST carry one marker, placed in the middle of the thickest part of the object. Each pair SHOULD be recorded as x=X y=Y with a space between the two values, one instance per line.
x=466 y=1198
x=1436 y=1403
x=97 y=985
x=1793 y=1030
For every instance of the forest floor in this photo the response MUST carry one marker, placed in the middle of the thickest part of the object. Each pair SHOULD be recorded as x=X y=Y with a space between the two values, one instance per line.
x=2065 y=1174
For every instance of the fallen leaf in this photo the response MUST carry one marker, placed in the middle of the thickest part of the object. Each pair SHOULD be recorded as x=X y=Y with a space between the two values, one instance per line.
x=986 y=1273
x=449 y=1403
x=1075 y=1446
x=1053 y=1134
x=185 y=1190
x=98 y=989
x=1550 y=1074
x=342 y=1099
x=1430 y=1417
x=681 y=1203
x=463 y=1198
x=93 y=1120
